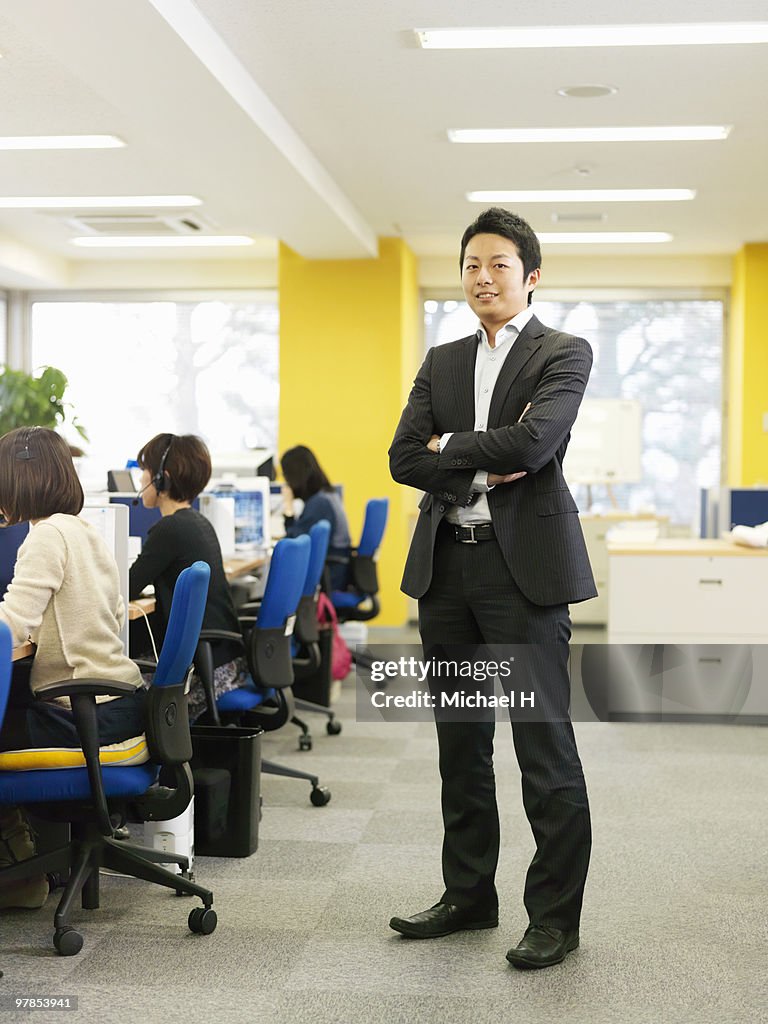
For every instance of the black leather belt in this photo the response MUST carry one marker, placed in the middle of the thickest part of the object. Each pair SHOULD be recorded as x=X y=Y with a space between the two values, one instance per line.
x=473 y=534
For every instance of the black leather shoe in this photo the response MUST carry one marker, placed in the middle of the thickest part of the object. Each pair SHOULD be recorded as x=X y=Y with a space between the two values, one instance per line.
x=542 y=946
x=442 y=919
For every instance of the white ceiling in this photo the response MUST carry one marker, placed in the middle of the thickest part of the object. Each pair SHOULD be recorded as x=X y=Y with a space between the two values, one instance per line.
x=321 y=122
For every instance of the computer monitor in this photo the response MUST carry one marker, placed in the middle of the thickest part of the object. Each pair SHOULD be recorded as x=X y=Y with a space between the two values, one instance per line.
x=252 y=515
x=120 y=480
x=11 y=539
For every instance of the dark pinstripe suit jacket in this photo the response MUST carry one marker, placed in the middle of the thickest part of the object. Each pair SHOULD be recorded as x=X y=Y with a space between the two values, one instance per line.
x=535 y=518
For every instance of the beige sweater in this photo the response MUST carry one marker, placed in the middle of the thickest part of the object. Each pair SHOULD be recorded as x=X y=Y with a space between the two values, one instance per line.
x=65 y=595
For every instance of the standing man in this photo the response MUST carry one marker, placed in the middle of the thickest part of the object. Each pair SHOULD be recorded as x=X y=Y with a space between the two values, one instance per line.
x=496 y=557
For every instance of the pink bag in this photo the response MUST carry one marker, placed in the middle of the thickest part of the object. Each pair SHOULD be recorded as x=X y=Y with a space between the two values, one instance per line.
x=341 y=658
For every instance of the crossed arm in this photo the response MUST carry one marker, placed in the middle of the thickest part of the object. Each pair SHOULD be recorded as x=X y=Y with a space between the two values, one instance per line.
x=522 y=447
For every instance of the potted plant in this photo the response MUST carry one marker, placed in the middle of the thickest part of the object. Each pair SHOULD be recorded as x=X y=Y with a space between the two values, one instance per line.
x=28 y=401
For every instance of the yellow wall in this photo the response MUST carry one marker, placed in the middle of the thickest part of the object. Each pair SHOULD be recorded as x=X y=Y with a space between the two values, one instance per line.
x=748 y=368
x=349 y=342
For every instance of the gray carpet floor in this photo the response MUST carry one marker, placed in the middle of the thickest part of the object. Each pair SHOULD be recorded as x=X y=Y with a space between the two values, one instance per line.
x=675 y=924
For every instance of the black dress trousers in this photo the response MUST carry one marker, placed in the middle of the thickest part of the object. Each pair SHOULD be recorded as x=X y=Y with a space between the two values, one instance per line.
x=473 y=600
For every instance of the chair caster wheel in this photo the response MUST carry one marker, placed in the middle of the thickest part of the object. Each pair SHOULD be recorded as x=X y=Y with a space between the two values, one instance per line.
x=333 y=727
x=202 y=920
x=67 y=941
x=305 y=742
x=320 y=796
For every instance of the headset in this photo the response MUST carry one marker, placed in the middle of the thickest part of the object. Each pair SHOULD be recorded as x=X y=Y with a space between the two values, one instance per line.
x=158 y=480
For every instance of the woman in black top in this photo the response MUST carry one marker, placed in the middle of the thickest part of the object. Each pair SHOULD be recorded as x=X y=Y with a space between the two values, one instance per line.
x=175 y=470
x=306 y=480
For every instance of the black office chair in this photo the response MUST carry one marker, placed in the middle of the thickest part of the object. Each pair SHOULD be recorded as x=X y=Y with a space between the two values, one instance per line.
x=93 y=797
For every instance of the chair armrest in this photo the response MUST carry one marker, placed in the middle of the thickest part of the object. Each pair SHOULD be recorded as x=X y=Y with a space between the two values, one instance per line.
x=220 y=634
x=144 y=665
x=204 y=664
x=84 y=714
x=84 y=687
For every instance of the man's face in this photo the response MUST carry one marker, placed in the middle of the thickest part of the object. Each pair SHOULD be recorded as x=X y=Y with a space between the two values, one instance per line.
x=493 y=280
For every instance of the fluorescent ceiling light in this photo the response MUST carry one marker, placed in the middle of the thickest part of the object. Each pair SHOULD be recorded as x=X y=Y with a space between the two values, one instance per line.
x=695 y=34
x=161 y=241
x=60 y=142
x=92 y=202
x=601 y=237
x=582 y=195
x=663 y=133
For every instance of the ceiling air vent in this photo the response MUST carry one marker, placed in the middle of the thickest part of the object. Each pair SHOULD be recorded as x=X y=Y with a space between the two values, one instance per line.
x=136 y=224
x=579 y=218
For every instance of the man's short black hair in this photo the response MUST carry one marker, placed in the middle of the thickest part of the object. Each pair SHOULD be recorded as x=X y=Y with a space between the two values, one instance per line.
x=496 y=221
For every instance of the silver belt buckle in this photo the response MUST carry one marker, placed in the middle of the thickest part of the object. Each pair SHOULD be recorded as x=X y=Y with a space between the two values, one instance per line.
x=471 y=529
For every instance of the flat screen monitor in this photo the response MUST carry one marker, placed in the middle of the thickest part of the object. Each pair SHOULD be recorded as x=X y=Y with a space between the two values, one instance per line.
x=251 y=518
x=120 y=480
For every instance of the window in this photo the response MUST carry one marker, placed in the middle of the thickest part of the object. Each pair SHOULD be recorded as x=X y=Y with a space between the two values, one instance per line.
x=139 y=367
x=665 y=353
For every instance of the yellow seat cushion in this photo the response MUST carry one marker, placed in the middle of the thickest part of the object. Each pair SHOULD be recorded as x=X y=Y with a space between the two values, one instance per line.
x=126 y=752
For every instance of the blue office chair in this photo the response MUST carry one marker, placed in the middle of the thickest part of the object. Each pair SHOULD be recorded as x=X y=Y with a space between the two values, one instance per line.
x=91 y=796
x=267 y=698
x=360 y=602
x=305 y=644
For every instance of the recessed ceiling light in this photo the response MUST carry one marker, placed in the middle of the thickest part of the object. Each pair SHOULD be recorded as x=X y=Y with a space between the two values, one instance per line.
x=601 y=237
x=692 y=34
x=160 y=241
x=583 y=195
x=60 y=142
x=657 y=133
x=93 y=202
x=587 y=92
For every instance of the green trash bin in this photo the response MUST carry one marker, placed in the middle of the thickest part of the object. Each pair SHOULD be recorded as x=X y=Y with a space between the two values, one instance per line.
x=226 y=767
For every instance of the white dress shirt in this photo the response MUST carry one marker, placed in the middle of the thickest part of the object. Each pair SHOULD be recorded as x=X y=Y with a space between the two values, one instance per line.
x=487 y=368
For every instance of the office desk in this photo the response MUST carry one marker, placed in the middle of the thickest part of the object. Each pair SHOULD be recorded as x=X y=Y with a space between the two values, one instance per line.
x=233 y=567
x=22 y=652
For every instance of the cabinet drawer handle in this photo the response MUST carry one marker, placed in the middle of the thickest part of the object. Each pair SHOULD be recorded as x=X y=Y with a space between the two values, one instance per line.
x=710 y=661
x=718 y=583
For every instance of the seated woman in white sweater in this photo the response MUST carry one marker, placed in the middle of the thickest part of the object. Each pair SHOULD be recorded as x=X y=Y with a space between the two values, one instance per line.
x=64 y=596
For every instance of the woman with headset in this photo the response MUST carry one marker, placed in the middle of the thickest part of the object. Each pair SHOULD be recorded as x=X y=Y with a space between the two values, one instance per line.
x=175 y=469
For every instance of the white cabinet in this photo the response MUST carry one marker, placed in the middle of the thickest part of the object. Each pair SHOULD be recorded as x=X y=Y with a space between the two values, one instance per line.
x=687 y=591
x=686 y=625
